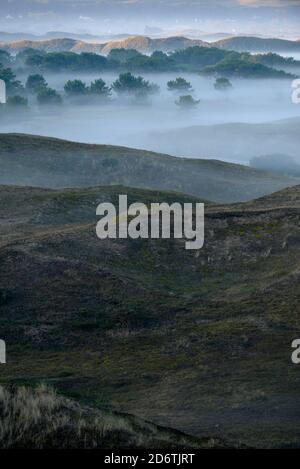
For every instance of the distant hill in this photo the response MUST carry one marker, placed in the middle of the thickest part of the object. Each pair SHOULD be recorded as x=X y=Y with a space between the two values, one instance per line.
x=50 y=45
x=47 y=162
x=234 y=141
x=23 y=36
x=147 y=45
x=257 y=44
x=143 y=44
x=5 y=36
x=140 y=43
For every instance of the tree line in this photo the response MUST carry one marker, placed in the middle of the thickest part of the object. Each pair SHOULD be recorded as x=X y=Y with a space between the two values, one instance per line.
x=126 y=84
x=206 y=60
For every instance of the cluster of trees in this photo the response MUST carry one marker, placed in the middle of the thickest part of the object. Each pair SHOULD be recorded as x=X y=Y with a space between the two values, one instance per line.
x=15 y=89
x=12 y=84
x=192 y=59
x=126 y=84
x=36 y=84
x=187 y=101
x=240 y=68
x=78 y=87
x=222 y=83
x=204 y=60
x=209 y=60
x=62 y=61
x=179 y=84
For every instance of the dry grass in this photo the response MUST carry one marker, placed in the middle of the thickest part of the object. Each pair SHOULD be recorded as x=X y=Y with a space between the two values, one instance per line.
x=39 y=418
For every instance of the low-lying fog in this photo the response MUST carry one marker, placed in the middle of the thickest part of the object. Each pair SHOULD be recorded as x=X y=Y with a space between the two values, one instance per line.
x=210 y=130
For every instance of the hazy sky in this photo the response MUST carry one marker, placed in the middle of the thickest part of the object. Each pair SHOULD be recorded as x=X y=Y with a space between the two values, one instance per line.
x=101 y=16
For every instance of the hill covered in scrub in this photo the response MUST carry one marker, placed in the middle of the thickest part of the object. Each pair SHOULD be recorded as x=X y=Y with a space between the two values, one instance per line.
x=196 y=341
x=148 y=45
x=258 y=44
x=142 y=44
x=68 y=55
x=40 y=419
x=53 y=163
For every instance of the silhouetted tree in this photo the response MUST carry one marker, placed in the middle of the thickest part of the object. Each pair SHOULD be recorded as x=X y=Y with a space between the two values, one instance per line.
x=180 y=84
x=222 y=83
x=187 y=101
x=49 y=96
x=12 y=85
x=75 y=87
x=99 y=88
x=130 y=84
x=36 y=83
x=17 y=101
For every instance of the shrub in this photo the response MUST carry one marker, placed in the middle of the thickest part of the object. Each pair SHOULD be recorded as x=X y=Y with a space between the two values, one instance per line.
x=187 y=101
x=99 y=88
x=49 y=96
x=36 y=83
x=222 y=83
x=75 y=87
x=17 y=100
x=180 y=84
x=130 y=84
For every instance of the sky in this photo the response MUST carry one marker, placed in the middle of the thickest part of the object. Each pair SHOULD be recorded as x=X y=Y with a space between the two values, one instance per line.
x=270 y=17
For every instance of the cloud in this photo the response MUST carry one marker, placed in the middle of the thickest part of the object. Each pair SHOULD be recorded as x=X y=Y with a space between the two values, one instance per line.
x=268 y=3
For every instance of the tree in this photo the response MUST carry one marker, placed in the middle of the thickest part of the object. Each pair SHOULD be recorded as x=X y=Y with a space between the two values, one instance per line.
x=17 y=101
x=222 y=84
x=12 y=85
x=75 y=87
x=49 y=96
x=99 y=88
x=180 y=84
x=36 y=83
x=187 y=101
x=197 y=57
x=122 y=55
x=5 y=58
x=60 y=61
x=130 y=84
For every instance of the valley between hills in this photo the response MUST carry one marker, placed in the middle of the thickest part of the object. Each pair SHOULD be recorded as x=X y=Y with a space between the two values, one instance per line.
x=195 y=341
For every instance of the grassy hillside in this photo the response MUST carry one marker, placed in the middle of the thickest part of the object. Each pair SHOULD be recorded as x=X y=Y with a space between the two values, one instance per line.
x=197 y=341
x=140 y=43
x=39 y=418
x=148 y=45
x=47 y=162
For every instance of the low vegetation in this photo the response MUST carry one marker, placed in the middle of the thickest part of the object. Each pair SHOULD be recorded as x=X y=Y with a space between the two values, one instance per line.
x=222 y=84
x=187 y=102
x=41 y=419
x=179 y=84
x=48 y=162
x=197 y=341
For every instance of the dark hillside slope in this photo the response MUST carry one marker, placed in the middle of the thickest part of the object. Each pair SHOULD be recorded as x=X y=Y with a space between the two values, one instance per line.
x=48 y=162
x=40 y=419
x=258 y=44
x=197 y=341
